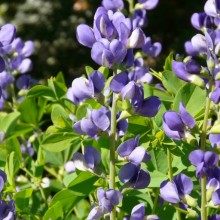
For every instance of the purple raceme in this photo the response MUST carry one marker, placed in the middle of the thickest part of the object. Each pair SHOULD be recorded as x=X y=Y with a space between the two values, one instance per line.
x=177 y=125
x=111 y=37
x=107 y=201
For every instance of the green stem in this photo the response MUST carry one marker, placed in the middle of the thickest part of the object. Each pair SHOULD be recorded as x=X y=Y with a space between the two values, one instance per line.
x=131 y=6
x=112 y=147
x=170 y=173
x=203 y=147
x=155 y=201
x=170 y=168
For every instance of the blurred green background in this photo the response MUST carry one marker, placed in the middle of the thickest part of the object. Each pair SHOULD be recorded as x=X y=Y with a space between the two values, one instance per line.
x=51 y=24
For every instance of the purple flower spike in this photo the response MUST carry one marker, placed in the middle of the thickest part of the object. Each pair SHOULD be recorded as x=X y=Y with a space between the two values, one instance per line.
x=7 y=34
x=175 y=191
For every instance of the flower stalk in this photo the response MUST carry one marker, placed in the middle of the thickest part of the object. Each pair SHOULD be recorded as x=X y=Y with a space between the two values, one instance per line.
x=112 y=147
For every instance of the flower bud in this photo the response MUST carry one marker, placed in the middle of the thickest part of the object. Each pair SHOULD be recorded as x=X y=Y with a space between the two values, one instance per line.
x=190 y=201
x=191 y=213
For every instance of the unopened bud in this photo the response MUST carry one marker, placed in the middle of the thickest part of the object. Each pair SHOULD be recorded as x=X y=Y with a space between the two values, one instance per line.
x=195 y=79
x=192 y=214
x=191 y=201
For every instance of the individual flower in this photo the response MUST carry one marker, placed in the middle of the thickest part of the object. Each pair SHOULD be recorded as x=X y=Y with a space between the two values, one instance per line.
x=133 y=176
x=7 y=34
x=25 y=82
x=178 y=190
x=70 y=167
x=203 y=161
x=28 y=149
x=176 y=125
x=137 y=213
x=129 y=89
x=148 y=4
x=107 y=201
x=132 y=152
x=214 y=140
x=87 y=161
x=152 y=50
x=201 y=20
x=212 y=8
x=113 y=4
x=97 y=121
x=7 y=210
x=83 y=89
x=188 y=71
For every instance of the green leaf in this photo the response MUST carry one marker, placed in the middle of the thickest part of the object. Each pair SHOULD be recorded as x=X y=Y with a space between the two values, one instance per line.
x=55 y=212
x=29 y=111
x=104 y=71
x=12 y=165
x=60 y=117
x=171 y=82
x=59 y=141
x=159 y=160
x=67 y=198
x=7 y=122
x=168 y=62
x=22 y=198
x=57 y=87
x=89 y=70
x=157 y=178
x=83 y=183
x=41 y=90
x=81 y=111
x=193 y=97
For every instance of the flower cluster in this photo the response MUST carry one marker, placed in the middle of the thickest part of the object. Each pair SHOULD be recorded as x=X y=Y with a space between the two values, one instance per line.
x=107 y=200
x=177 y=125
x=131 y=173
x=16 y=61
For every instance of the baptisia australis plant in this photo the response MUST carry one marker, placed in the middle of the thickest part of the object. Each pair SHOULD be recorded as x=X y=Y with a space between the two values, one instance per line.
x=178 y=126
x=113 y=40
